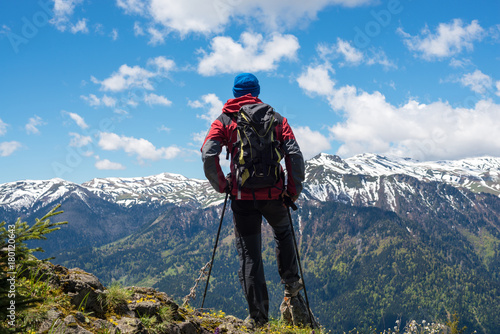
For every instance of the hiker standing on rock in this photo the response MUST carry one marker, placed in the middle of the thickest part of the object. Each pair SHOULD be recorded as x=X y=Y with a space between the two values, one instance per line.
x=257 y=138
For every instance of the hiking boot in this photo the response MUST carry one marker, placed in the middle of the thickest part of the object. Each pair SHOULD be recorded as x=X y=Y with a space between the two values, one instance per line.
x=252 y=324
x=292 y=289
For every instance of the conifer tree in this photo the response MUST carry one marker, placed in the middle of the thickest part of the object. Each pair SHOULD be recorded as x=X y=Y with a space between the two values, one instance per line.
x=16 y=254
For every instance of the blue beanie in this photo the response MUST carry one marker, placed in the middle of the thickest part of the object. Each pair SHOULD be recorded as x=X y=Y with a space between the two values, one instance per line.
x=245 y=83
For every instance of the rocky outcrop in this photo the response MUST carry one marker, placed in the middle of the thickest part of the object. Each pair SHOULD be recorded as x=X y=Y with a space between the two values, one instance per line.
x=86 y=306
x=95 y=309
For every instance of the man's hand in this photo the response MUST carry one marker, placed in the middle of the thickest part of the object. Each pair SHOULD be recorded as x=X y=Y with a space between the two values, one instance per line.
x=229 y=184
x=287 y=194
x=288 y=200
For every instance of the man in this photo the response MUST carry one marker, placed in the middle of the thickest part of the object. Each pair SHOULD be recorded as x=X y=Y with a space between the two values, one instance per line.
x=250 y=205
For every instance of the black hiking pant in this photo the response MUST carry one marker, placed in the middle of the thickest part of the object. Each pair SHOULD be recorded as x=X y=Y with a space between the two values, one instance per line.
x=247 y=218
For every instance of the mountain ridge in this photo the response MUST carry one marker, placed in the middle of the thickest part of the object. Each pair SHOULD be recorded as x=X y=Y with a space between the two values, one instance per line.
x=476 y=174
x=107 y=209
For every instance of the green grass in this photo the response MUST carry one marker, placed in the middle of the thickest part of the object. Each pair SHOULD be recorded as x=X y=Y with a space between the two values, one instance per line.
x=116 y=295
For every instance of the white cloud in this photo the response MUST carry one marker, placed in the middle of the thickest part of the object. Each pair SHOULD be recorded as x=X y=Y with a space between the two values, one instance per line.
x=9 y=147
x=114 y=34
x=80 y=26
x=201 y=16
x=33 y=123
x=3 y=127
x=156 y=36
x=199 y=138
x=352 y=56
x=108 y=101
x=77 y=118
x=460 y=63
x=78 y=140
x=105 y=164
x=162 y=64
x=127 y=77
x=132 y=6
x=498 y=88
x=350 y=53
x=94 y=101
x=152 y=99
x=250 y=54
x=191 y=15
x=311 y=142
x=424 y=132
x=449 y=39
x=136 y=77
x=211 y=103
x=379 y=57
x=421 y=131
x=99 y=28
x=120 y=111
x=316 y=80
x=4 y=30
x=63 y=10
x=131 y=102
x=477 y=81
x=163 y=128
x=494 y=33
x=142 y=148
x=138 y=31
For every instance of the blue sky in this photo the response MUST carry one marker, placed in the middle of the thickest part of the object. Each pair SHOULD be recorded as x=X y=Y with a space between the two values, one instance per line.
x=129 y=88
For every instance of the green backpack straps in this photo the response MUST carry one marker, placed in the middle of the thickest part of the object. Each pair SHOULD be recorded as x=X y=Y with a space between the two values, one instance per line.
x=257 y=151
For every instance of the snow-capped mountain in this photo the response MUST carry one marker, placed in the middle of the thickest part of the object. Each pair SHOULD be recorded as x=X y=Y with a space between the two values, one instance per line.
x=476 y=174
x=104 y=210
x=361 y=180
x=368 y=179
x=157 y=189
x=31 y=194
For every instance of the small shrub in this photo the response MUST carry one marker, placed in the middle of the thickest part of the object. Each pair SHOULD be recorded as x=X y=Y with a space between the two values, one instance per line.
x=166 y=314
x=116 y=295
x=148 y=321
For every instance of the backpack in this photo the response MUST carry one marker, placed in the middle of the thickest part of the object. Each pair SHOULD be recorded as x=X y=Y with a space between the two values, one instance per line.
x=257 y=152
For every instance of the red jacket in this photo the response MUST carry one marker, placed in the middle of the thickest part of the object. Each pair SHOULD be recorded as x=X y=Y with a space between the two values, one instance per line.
x=223 y=133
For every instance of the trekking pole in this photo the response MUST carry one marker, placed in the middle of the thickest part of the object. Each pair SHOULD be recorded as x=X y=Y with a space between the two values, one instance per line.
x=215 y=247
x=289 y=203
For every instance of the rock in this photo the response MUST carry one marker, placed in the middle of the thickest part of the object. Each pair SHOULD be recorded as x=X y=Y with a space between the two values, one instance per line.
x=46 y=272
x=231 y=324
x=52 y=320
x=294 y=312
x=144 y=308
x=78 y=276
x=148 y=302
x=84 y=290
x=69 y=326
x=87 y=300
x=187 y=328
x=80 y=317
x=130 y=325
x=75 y=282
x=173 y=329
x=103 y=326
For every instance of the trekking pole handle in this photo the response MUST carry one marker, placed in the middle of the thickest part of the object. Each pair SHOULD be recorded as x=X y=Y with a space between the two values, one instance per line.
x=289 y=203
